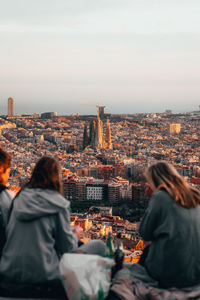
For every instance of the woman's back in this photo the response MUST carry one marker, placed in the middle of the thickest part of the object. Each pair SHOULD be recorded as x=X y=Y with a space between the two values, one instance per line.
x=38 y=232
x=174 y=230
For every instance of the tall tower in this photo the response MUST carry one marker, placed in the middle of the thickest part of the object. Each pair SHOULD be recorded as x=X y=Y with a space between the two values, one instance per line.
x=108 y=143
x=99 y=134
x=10 y=107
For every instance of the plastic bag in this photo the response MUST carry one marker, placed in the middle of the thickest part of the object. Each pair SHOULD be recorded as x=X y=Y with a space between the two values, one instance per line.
x=86 y=277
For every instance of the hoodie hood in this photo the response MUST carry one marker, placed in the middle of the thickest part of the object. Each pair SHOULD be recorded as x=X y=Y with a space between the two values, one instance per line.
x=34 y=203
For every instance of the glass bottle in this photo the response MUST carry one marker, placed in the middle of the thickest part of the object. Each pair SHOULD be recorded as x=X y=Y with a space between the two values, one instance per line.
x=109 y=245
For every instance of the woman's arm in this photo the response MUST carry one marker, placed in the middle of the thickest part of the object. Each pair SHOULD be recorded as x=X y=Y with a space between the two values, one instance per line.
x=66 y=240
x=150 y=220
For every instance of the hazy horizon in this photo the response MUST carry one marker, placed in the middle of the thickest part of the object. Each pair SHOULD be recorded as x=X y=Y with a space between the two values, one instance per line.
x=132 y=56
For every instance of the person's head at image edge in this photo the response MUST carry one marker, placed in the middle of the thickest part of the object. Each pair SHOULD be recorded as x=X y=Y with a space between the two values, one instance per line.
x=163 y=175
x=46 y=175
x=5 y=164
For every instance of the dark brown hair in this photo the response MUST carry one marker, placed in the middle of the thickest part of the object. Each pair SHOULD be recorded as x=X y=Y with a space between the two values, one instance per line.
x=46 y=175
x=164 y=176
x=5 y=159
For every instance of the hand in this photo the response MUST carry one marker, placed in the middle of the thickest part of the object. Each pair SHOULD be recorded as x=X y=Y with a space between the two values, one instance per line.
x=78 y=231
x=148 y=191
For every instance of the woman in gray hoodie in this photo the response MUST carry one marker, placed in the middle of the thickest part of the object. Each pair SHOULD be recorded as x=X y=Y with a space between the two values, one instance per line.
x=38 y=233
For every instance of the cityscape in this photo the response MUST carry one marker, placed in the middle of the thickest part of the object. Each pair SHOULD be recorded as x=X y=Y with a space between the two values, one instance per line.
x=100 y=149
x=103 y=159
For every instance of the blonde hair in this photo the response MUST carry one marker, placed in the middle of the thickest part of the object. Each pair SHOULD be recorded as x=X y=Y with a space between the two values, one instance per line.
x=164 y=176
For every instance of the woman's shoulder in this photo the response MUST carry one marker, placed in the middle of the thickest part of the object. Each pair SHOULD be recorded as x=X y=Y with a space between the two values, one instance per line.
x=161 y=193
x=6 y=196
x=49 y=196
x=162 y=197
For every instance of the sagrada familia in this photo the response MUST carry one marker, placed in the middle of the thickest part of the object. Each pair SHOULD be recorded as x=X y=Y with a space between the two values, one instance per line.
x=95 y=138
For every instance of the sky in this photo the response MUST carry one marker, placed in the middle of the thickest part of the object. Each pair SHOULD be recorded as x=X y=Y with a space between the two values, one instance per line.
x=130 y=55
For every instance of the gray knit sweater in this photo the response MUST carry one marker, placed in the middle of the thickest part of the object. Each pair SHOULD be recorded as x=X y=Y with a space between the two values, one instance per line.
x=174 y=255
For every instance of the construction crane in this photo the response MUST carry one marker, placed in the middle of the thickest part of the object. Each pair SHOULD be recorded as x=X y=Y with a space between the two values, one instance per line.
x=100 y=109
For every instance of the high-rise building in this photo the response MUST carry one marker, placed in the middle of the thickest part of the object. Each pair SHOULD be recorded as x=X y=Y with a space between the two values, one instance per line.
x=10 y=107
x=69 y=189
x=114 y=193
x=97 y=192
x=175 y=128
x=108 y=143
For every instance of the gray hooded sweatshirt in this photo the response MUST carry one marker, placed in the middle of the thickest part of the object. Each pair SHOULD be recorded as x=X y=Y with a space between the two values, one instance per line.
x=5 y=203
x=38 y=233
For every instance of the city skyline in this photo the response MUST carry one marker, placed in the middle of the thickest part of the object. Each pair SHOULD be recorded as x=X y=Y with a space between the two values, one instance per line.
x=88 y=111
x=131 y=56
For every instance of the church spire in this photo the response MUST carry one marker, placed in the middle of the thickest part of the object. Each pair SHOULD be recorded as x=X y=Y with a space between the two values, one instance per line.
x=108 y=143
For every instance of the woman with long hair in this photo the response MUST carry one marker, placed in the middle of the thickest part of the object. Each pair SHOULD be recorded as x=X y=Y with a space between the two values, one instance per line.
x=171 y=225
x=38 y=233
